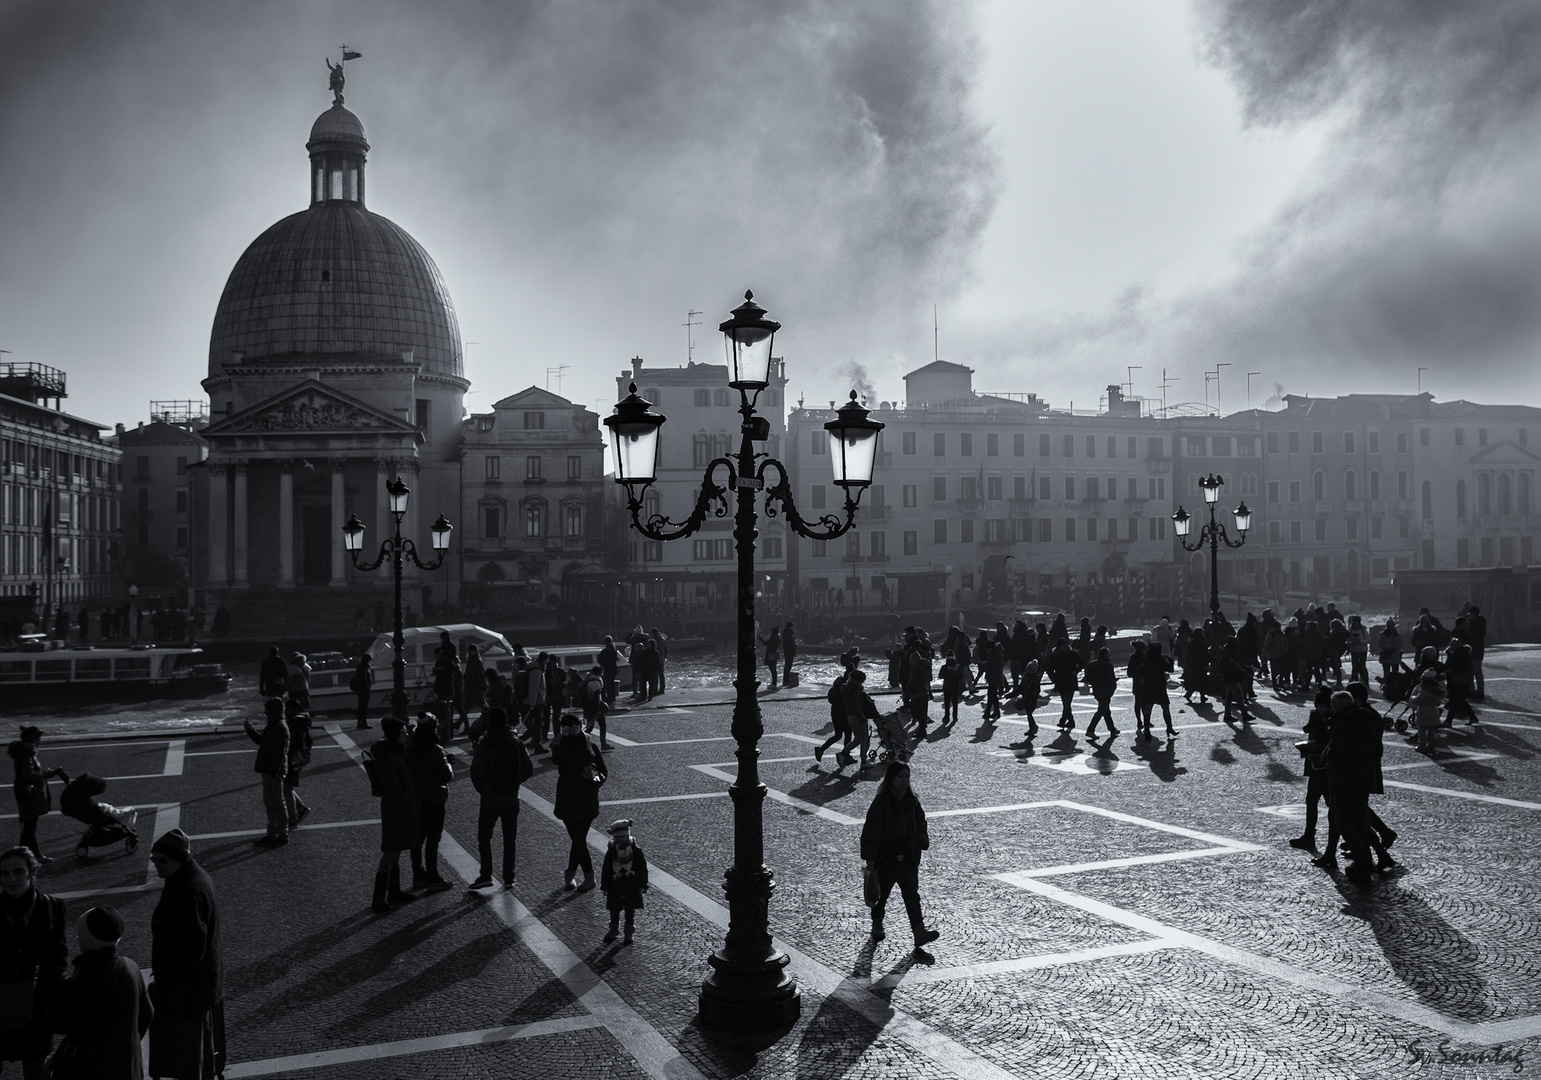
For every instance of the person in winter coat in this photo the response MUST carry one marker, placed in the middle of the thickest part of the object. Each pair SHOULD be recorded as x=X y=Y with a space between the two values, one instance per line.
x=1139 y=653
x=1102 y=677
x=498 y=767
x=399 y=812
x=1358 y=650
x=1233 y=677
x=623 y=877
x=1427 y=700
x=952 y=691
x=1276 y=648
x=103 y=1009
x=362 y=684
x=610 y=664
x=448 y=685
x=1158 y=665
x=837 y=717
x=299 y=682
x=186 y=958
x=580 y=771
x=32 y=798
x=300 y=744
x=535 y=705
x=272 y=764
x=1064 y=670
x=996 y=680
x=1029 y=687
x=273 y=675
x=917 y=681
x=432 y=772
x=892 y=839
x=859 y=708
x=1317 y=731
x=591 y=697
x=788 y=653
x=1348 y=780
x=660 y=644
x=1196 y=667
x=473 y=691
x=773 y=654
x=1459 y=671
x=1476 y=637
x=32 y=950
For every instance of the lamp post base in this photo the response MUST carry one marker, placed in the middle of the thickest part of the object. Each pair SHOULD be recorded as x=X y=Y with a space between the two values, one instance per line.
x=749 y=995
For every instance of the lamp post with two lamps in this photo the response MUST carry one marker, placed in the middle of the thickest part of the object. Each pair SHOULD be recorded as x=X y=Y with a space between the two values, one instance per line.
x=749 y=986
x=1213 y=533
x=397 y=548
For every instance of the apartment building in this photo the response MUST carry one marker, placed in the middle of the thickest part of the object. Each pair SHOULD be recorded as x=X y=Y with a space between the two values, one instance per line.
x=987 y=496
x=163 y=484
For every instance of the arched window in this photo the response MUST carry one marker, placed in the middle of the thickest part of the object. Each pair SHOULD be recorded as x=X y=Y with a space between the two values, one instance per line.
x=1374 y=483
x=703 y=397
x=490 y=572
x=1428 y=501
x=1460 y=499
x=1350 y=485
x=653 y=394
x=1404 y=488
x=701 y=450
x=1193 y=483
x=534 y=514
x=1319 y=485
x=720 y=446
x=723 y=397
x=1249 y=483
x=1523 y=493
x=1503 y=494
x=1484 y=494
x=492 y=519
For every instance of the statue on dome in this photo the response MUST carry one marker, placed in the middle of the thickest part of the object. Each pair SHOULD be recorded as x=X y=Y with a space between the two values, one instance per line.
x=336 y=79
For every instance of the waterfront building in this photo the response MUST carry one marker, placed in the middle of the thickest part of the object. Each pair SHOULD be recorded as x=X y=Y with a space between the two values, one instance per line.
x=163 y=489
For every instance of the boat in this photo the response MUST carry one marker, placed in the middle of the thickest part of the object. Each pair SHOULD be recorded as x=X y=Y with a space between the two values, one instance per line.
x=331 y=672
x=43 y=671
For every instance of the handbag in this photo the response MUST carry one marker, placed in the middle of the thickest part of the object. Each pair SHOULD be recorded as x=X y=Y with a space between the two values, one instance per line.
x=16 y=999
x=871 y=892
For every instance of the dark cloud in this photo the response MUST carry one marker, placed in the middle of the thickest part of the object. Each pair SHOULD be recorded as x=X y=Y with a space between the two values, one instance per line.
x=583 y=172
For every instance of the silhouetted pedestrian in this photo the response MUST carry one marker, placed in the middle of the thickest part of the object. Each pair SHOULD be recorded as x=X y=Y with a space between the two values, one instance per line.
x=581 y=770
x=892 y=839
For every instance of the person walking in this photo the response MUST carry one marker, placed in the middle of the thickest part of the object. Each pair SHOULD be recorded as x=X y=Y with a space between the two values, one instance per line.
x=610 y=664
x=391 y=777
x=1064 y=670
x=996 y=680
x=1427 y=701
x=1102 y=677
x=33 y=959
x=1388 y=644
x=102 y=1010
x=917 y=681
x=581 y=771
x=299 y=682
x=892 y=838
x=1459 y=669
x=772 y=654
x=1476 y=638
x=31 y=786
x=591 y=698
x=535 y=704
x=859 y=708
x=432 y=772
x=1029 y=687
x=273 y=675
x=952 y=691
x=660 y=641
x=623 y=877
x=448 y=685
x=1348 y=788
x=1157 y=667
x=187 y=1032
x=1313 y=753
x=473 y=691
x=788 y=654
x=272 y=763
x=362 y=684
x=498 y=767
x=300 y=744
x=1358 y=650
x=837 y=715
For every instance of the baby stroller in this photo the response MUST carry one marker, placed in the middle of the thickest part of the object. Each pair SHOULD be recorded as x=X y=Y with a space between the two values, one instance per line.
x=104 y=824
x=894 y=739
x=1397 y=684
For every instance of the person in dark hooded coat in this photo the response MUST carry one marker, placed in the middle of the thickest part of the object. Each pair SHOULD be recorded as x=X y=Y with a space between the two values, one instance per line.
x=103 y=1009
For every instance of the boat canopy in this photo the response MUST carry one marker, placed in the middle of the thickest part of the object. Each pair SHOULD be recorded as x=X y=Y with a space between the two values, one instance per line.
x=419 y=642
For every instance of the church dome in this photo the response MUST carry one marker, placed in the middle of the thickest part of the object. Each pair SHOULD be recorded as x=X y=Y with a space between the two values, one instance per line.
x=337 y=123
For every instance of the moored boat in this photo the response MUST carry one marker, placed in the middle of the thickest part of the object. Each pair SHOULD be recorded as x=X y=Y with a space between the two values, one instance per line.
x=35 y=674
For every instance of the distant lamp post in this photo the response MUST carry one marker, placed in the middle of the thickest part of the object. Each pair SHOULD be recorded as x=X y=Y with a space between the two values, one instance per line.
x=1213 y=533
x=749 y=986
x=397 y=548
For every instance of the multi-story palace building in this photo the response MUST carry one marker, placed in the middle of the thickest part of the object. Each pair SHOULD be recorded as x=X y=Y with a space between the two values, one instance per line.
x=163 y=485
x=59 y=500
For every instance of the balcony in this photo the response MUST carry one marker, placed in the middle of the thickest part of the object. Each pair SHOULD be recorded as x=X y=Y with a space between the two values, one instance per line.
x=1093 y=502
x=535 y=481
x=1377 y=506
x=1354 y=506
x=995 y=545
x=879 y=558
x=1020 y=506
x=1323 y=507
x=1159 y=466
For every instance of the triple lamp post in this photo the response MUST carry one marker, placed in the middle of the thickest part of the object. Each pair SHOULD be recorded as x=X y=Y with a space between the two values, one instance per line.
x=1213 y=533
x=397 y=548
x=749 y=986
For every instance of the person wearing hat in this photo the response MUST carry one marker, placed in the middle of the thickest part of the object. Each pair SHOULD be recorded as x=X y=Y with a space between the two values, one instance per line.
x=623 y=877
x=892 y=839
x=32 y=798
x=272 y=765
x=102 y=1010
x=33 y=960
x=399 y=812
x=185 y=956
x=1427 y=700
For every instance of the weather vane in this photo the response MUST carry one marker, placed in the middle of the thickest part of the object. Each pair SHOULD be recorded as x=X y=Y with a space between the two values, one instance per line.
x=337 y=79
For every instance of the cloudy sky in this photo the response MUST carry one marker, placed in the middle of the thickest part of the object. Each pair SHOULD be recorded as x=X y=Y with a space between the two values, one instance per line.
x=1331 y=194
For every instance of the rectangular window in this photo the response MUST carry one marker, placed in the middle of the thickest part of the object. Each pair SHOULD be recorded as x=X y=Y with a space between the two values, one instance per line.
x=970 y=487
x=1296 y=534
x=992 y=445
x=1246 y=446
x=939 y=488
x=939 y=444
x=490 y=522
x=1019 y=444
x=534 y=421
x=181 y=502
x=966 y=444
x=819 y=548
x=853 y=545
x=939 y=531
x=1112 y=446
x=424 y=416
x=910 y=495
x=818 y=442
x=1045 y=531
x=532 y=468
x=908 y=442
x=652 y=551
x=493 y=465
x=879 y=543
x=1196 y=446
x=1043 y=445
x=1131 y=448
x=1482 y=436
x=818 y=496
x=773 y=547
x=1019 y=488
x=1093 y=486
x=1070 y=446
x=1294 y=442
x=1091 y=446
x=1294 y=491
x=143 y=469
x=911 y=545
x=1318 y=442
x=574 y=467
x=1348 y=442
x=1423 y=440
x=992 y=487
x=1462 y=551
x=1487 y=551
x=702 y=550
x=1274 y=532
x=1271 y=442
x=1070 y=530
x=1460 y=438
x=1220 y=446
x=1069 y=489
x=1375 y=527
x=532 y=521
x=1402 y=442
x=1091 y=529
x=1404 y=528
x=1372 y=442
x=1044 y=491
x=181 y=466
x=1321 y=530
x=966 y=526
x=1273 y=491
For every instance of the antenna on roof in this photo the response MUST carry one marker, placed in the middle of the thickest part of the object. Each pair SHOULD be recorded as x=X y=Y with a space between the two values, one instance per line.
x=936 y=339
x=558 y=369
x=690 y=341
x=1249 y=387
x=1165 y=382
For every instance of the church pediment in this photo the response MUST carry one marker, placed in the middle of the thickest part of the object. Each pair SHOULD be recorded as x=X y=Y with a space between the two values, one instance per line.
x=533 y=397
x=310 y=408
x=1503 y=453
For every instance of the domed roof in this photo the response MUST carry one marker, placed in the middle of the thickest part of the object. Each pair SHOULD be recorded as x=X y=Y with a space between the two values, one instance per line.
x=332 y=280
x=337 y=123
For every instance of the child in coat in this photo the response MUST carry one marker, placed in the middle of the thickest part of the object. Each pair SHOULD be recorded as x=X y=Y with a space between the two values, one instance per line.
x=952 y=689
x=623 y=878
x=1426 y=701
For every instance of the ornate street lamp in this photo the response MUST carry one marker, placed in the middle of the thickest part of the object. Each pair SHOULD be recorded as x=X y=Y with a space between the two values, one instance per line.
x=397 y=548
x=1213 y=534
x=749 y=986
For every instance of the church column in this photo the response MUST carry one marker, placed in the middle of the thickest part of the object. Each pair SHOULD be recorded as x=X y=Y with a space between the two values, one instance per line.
x=238 y=528
x=384 y=471
x=285 y=525
x=219 y=527
x=409 y=523
x=339 y=516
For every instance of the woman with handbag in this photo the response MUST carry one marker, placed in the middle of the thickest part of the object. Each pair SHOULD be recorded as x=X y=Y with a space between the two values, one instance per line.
x=33 y=958
x=580 y=771
x=891 y=842
x=32 y=800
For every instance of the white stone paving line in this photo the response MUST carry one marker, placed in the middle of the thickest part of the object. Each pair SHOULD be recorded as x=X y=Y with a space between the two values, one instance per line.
x=403 y=1047
x=782 y=797
x=654 y=1053
x=1494 y=799
x=1022 y=963
x=166 y=816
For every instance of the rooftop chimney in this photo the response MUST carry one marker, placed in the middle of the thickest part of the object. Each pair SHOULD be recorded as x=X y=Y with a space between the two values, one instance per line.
x=636 y=367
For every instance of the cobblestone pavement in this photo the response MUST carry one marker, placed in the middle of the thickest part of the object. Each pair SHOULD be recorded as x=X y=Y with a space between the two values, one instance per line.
x=1108 y=909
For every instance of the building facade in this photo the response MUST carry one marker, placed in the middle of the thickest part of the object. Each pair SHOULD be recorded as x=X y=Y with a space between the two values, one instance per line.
x=699 y=575
x=163 y=484
x=534 y=501
x=59 y=501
